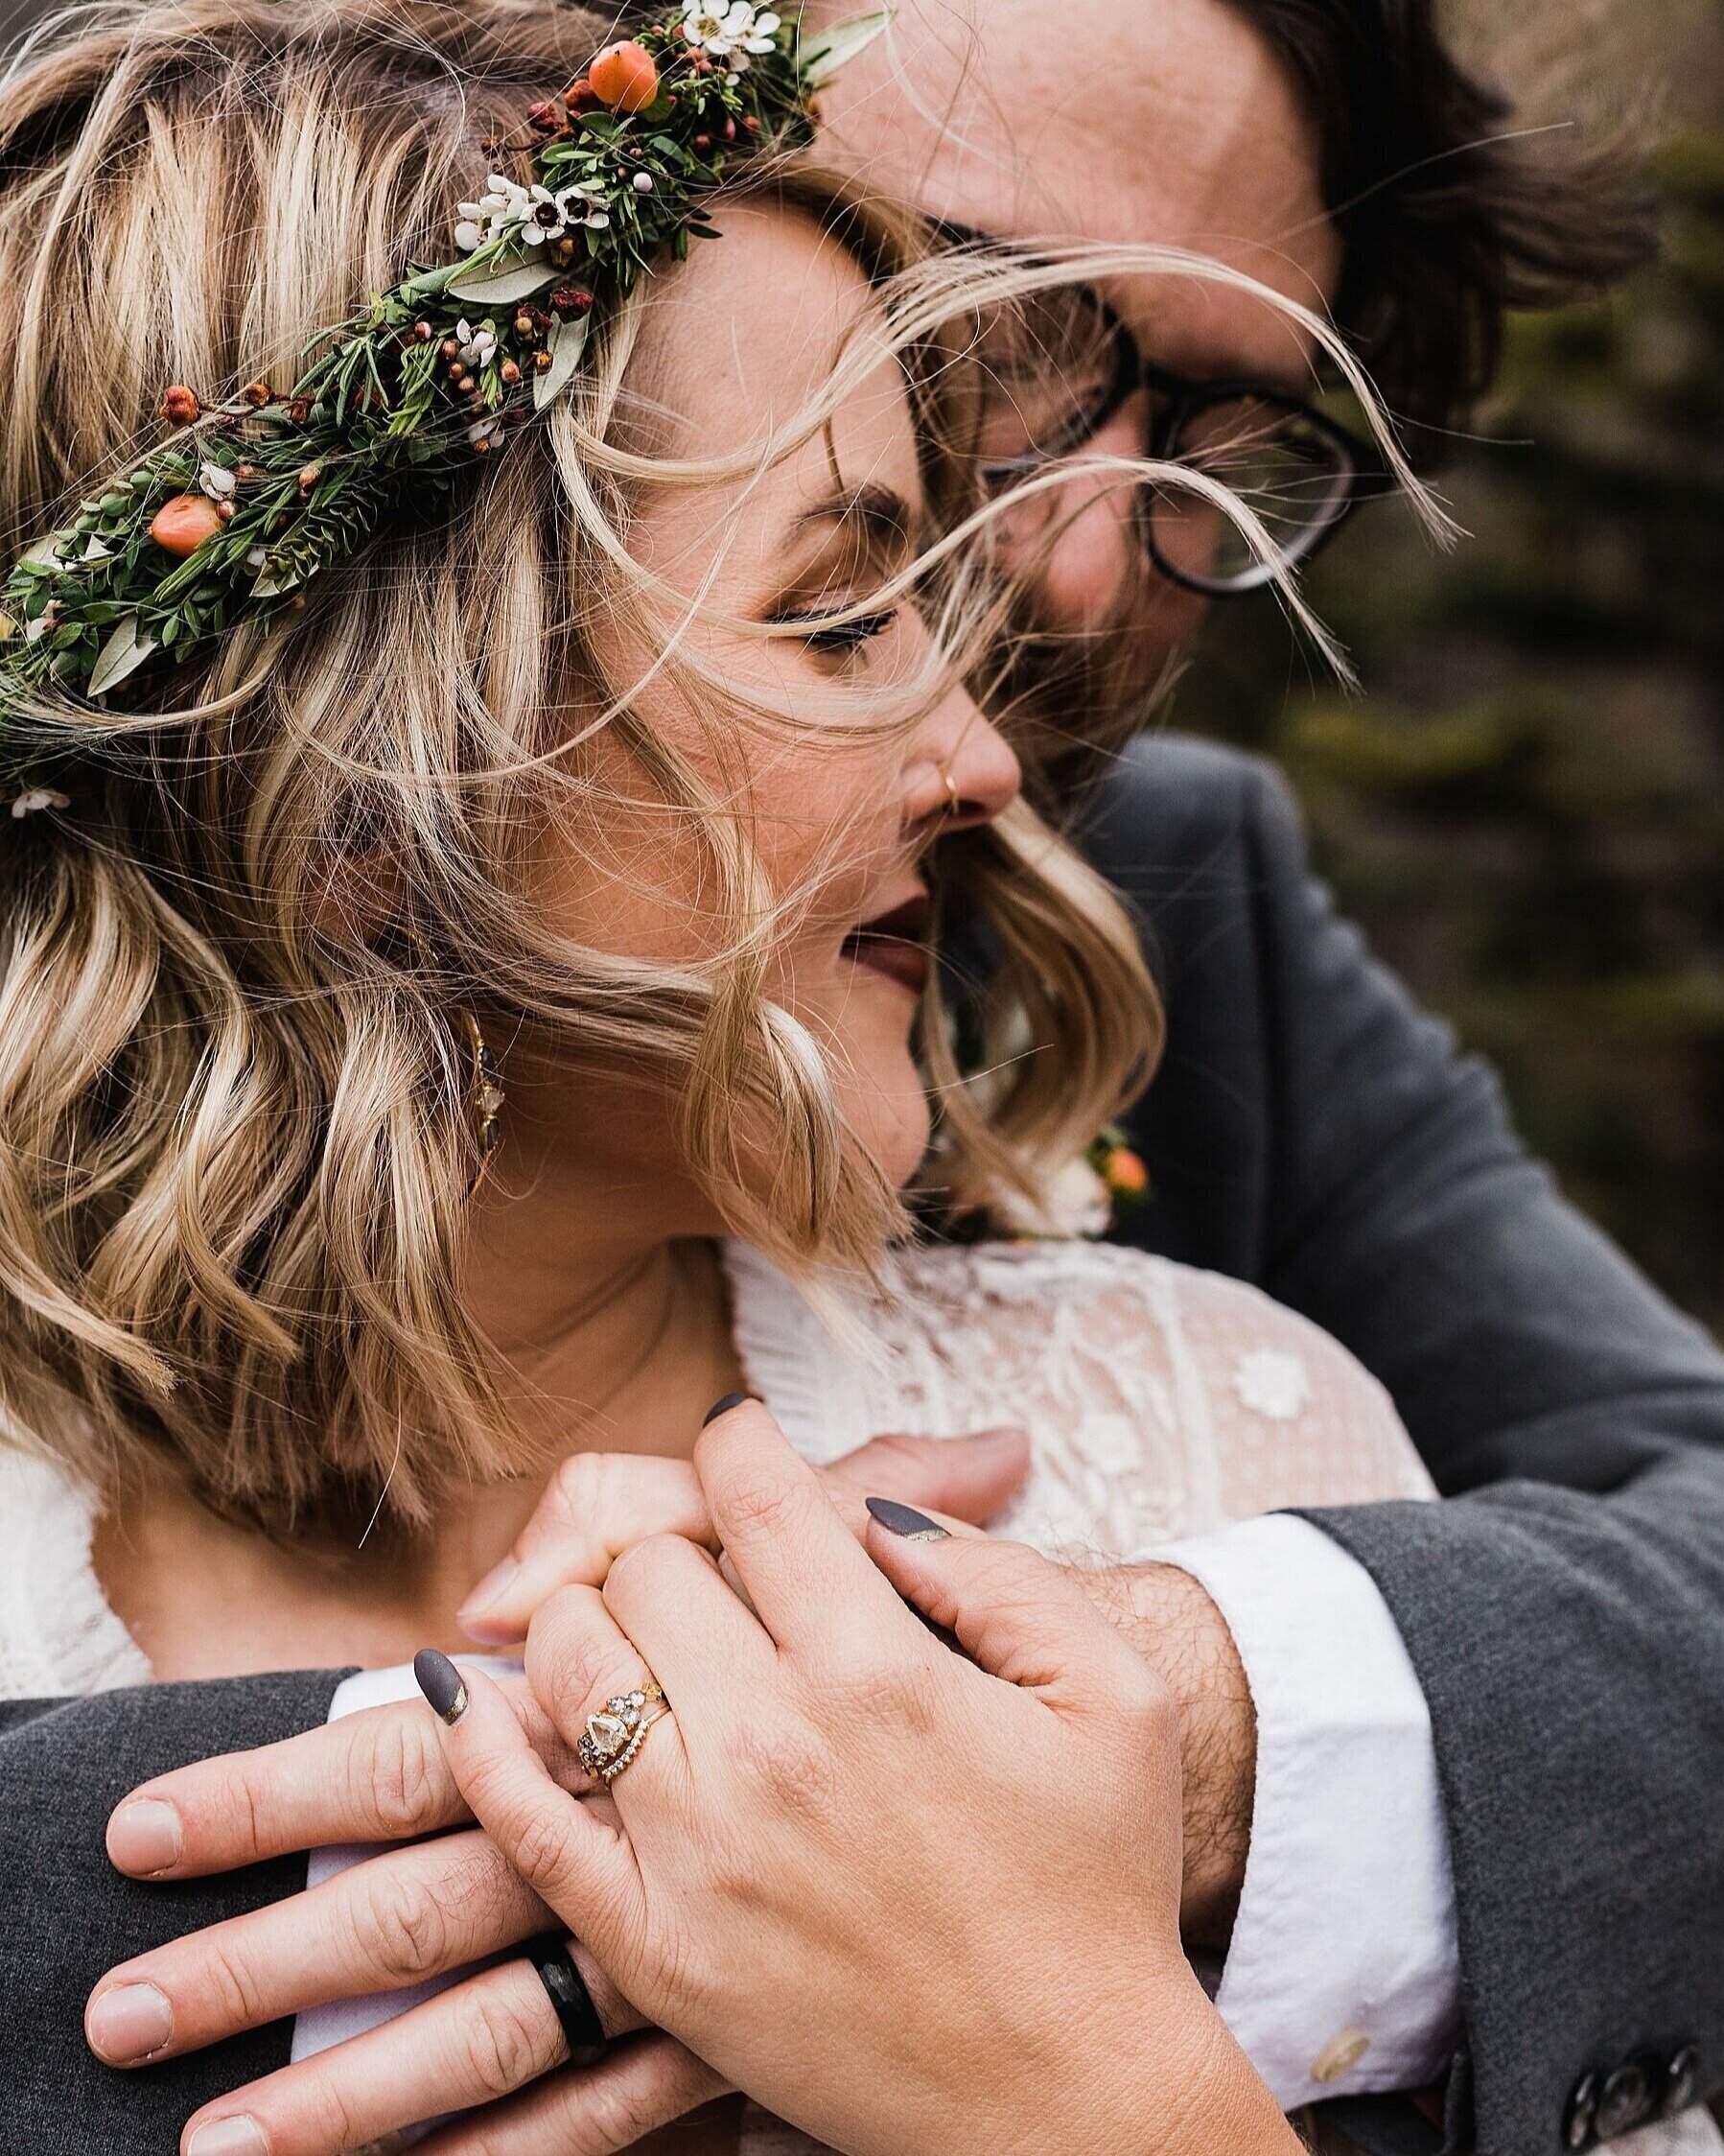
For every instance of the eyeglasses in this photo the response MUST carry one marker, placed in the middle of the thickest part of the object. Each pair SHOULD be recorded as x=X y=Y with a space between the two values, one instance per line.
x=1061 y=367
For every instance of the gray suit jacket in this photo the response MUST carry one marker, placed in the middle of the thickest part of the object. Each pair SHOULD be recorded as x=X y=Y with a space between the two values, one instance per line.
x=1312 y=1131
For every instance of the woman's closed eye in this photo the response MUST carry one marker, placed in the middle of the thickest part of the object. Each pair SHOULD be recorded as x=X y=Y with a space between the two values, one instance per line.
x=841 y=635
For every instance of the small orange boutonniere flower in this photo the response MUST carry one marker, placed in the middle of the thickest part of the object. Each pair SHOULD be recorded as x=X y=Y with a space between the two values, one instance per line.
x=1121 y=1170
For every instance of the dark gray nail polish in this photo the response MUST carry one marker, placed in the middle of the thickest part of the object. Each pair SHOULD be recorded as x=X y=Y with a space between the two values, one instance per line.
x=724 y=1407
x=907 y=1522
x=438 y=1679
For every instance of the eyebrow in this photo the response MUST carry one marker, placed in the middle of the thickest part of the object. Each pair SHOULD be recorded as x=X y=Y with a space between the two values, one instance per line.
x=887 y=526
x=1293 y=381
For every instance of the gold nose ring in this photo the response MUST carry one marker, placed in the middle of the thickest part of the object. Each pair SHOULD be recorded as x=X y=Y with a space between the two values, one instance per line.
x=954 y=801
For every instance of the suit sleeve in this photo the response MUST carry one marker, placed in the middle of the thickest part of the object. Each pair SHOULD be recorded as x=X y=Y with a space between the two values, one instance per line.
x=66 y=1915
x=1564 y=1613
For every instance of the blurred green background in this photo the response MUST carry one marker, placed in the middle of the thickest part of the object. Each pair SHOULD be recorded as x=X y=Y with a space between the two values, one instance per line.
x=1525 y=805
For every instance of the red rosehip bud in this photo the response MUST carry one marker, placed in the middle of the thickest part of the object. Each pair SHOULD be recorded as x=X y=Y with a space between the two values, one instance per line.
x=625 y=77
x=179 y=406
x=225 y=511
x=524 y=324
x=541 y=362
x=544 y=117
x=181 y=524
x=569 y=302
x=423 y=332
x=308 y=478
x=257 y=393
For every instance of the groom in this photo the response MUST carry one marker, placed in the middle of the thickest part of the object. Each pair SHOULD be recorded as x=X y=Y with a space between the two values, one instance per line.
x=1472 y=1750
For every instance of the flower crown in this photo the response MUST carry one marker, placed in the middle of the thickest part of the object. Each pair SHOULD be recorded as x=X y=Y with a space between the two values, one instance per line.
x=254 y=498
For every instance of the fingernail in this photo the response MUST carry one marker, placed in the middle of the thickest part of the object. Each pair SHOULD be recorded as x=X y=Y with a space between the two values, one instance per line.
x=233 y=2135
x=906 y=1520
x=489 y=1590
x=128 y=2023
x=443 y=1686
x=724 y=1407
x=146 y=1836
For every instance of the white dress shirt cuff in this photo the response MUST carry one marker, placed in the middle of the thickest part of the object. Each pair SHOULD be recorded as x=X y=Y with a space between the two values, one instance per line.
x=1343 y=1975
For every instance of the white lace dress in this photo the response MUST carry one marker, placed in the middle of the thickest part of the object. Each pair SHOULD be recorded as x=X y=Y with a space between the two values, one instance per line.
x=1160 y=1401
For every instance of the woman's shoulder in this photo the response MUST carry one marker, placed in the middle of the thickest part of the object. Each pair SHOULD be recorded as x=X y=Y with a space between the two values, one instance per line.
x=1088 y=1294
x=1161 y=1400
x=57 y=1634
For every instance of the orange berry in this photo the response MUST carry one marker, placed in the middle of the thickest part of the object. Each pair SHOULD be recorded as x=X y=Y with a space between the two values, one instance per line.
x=1126 y=1172
x=625 y=77
x=181 y=526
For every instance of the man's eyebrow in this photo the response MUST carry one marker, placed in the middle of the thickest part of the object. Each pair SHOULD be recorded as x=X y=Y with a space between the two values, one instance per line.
x=880 y=517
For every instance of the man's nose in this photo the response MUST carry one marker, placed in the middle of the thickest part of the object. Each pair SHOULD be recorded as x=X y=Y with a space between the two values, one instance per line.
x=1097 y=553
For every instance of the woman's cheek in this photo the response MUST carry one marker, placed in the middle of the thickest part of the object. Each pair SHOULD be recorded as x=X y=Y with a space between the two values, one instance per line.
x=880 y=1087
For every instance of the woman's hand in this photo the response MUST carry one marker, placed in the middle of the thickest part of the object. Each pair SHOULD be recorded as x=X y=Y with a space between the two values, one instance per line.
x=909 y=1901
x=598 y=1503
x=439 y=1906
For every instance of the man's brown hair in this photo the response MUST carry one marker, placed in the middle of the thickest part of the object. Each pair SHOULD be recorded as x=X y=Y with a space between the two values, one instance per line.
x=1450 y=214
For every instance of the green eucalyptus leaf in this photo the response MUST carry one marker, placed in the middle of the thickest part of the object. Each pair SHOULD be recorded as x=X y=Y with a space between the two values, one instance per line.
x=820 y=57
x=124 y=651
x=271 y=585
x=501 y=288
x=566 y=344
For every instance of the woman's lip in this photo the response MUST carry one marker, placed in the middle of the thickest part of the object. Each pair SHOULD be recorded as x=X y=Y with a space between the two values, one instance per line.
x=907 y=921
x=894 y=942
x=894 y=956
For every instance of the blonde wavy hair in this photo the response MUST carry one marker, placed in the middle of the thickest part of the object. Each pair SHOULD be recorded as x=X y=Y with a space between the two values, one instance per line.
x=236 y=1143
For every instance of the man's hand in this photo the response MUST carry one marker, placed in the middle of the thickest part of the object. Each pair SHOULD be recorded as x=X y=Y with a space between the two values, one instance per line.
x=1170 y=1619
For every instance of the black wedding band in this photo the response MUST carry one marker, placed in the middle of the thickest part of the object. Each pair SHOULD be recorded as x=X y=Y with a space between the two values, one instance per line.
x=582 y=2029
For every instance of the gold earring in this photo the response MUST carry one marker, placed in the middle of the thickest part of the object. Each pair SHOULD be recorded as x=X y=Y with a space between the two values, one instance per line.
x=484 y=1100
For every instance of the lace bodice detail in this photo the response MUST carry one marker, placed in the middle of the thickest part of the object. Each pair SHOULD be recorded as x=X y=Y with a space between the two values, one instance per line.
x=1160 y=1401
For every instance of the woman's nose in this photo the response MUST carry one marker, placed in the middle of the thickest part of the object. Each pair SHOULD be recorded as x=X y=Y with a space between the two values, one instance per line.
x=966 y=773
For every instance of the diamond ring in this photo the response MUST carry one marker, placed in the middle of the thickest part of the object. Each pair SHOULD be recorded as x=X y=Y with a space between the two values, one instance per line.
x=617 y=1732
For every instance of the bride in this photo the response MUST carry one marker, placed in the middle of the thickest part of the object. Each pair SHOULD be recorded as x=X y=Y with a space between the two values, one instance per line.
x=473 y=991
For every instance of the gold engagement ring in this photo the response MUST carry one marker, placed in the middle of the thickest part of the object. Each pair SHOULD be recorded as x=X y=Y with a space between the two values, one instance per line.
x=614 y=1735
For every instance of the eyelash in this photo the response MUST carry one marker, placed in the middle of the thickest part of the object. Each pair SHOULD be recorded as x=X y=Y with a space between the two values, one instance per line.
x=843 y=637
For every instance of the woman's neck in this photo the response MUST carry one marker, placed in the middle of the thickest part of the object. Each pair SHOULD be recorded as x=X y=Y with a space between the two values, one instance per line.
x=624 y=1352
